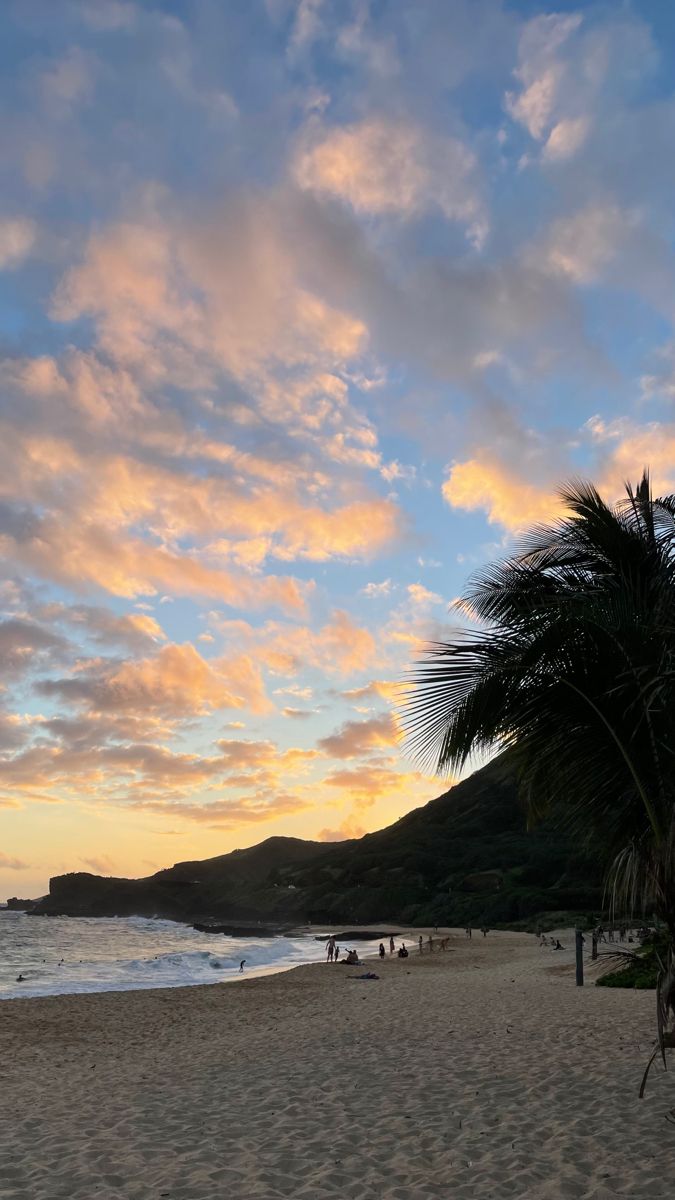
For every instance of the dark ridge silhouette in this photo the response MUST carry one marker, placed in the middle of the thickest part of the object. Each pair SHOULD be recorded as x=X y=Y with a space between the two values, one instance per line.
x=465 y=857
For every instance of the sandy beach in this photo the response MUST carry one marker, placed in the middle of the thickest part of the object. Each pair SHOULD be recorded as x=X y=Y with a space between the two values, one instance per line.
x=482 y=1072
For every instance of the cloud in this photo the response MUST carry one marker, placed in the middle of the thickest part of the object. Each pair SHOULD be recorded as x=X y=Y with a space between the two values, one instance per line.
x=92 y=554
x=373 y=591
x=136 y=631
x=228 y=814
x=12 y=864
x=382 y=689
x=574 y=73
x=339 y=647
x=106 y=16
x=582 y=245
x=17 y=238
x=357 y=738
x=14 y=732
x=369 y=782
x=420 y=596
x=100 y=769
x=176 y=682
x=102 y=865
x=506 y=497
x=542 y=73
x=307 y=24
x=382 y=167
x=68 y=81
x=347 y=829
x=160 y=296
x=566 y=138
x=26 y=645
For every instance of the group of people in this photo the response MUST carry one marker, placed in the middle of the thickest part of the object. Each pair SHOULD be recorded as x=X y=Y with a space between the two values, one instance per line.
x=333 y=953
x=332 y=949
x=554 y=943
x=443 y=943
x=401 y=952
x=600 y=934
x=623 y=933
x=352 y=958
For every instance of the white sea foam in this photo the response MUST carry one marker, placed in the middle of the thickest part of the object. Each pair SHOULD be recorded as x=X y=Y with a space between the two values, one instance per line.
x=61 y=955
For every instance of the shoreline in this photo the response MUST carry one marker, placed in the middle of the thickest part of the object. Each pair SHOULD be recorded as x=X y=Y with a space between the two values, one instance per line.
x=480 y=1073
x=224 y=974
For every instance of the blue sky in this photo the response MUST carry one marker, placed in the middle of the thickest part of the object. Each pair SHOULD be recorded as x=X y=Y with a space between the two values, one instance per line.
x=308 y=307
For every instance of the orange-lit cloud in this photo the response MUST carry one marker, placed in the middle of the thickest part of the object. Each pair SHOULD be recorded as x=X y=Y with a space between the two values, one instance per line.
x=356 y=738
x=228 y=814
x=161 y=291
x=382 y=689
x=175 y=683
x=349 y=828
x=506 y=497
x=341 y=646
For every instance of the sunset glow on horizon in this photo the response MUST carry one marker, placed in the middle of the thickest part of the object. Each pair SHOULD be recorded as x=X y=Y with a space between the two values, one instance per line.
x=309 y=306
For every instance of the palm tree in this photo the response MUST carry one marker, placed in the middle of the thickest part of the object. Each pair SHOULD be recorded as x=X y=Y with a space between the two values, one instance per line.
x=573 y=673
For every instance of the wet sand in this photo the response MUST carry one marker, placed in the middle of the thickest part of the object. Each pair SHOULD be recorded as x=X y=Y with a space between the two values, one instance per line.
x=482 y=1072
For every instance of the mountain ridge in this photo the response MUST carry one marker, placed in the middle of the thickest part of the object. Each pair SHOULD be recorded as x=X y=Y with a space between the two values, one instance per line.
x=464 y=857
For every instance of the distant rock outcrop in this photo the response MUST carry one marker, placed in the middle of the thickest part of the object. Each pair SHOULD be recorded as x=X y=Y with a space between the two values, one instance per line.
x=466 y=857
x=17 y=905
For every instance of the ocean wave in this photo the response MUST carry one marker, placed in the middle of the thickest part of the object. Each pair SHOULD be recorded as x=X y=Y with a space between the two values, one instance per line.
x=62 y=955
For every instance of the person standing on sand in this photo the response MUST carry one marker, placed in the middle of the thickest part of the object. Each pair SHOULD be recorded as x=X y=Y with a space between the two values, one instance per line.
x=431 y=944
x=337 y=954
x=391 y=945
x=419 y=941
x=330 y=948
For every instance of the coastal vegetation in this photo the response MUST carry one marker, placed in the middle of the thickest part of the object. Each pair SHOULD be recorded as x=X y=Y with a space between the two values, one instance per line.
x=569 y=665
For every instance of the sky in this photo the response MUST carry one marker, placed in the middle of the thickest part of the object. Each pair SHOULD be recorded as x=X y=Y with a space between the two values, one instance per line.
x=307 y=308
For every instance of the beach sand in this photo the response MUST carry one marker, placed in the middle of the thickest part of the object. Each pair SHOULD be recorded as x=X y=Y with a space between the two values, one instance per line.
x=482 y=1072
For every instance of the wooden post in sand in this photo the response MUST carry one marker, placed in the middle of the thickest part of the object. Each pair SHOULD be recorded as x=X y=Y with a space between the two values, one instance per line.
x=579 y=938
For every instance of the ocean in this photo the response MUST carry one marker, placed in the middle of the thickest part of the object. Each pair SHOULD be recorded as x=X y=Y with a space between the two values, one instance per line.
x=61 y=955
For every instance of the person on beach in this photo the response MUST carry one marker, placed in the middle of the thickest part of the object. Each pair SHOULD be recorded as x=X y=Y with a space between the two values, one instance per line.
x=330 y=948
x=403 y=953
x=391 y=945
x=337 y=954
x=382 y=950
x=468 y=932
x=241 y=965
x=419 y=942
